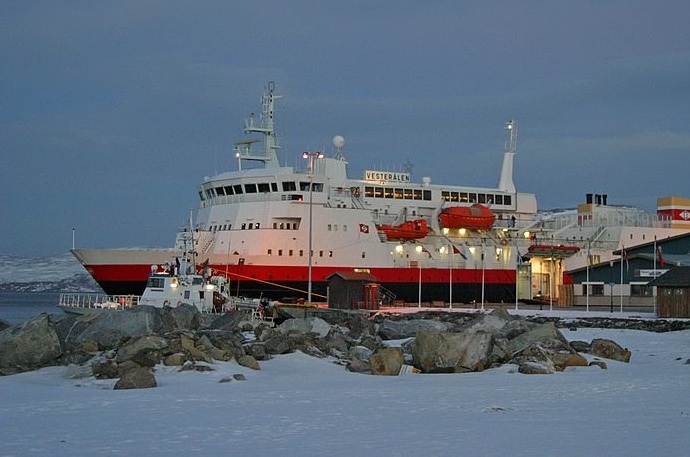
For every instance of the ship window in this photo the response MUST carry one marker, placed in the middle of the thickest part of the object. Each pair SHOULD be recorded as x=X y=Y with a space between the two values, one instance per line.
x=274 y=186
x=156 y=282
x=364 y=254
x=201 y=196
x=270 y=251
x=258 y=225
x=290 y=252
x=280 y=252
x=355 y=191
x=417 y=194
x=427 y=195
x=289 y=186
x=463 y=197
x=320 y=253
x=228 y=190
x=304 y=186
x=482 y=198
x=329 y=227
x=187 y=294
x=454 y=196
x=368 y=191
x=301 y=253
x=445 y=195
x=378 y=192
x=251 y=225
x=250 y=188
x=209 y=194
x=408 y=194
x=220 y=191
x=398 y=193
x=317 y=187
x=244 y=226
x=499 y=199
x=507 y=200
x=388 y=192
x=330 y=253
x=472 y=198
x=238 y=189
x=264 y=187
x=275 y=225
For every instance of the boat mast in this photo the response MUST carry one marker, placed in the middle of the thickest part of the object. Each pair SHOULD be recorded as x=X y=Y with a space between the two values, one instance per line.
x=266 y=127
x=506 y=182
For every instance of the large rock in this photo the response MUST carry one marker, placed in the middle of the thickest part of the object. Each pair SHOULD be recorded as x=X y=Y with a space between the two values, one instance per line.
x=138 y=378
x=398 y=330
x=307 y=325
x=115 y=328
x=183 y=317
x=386 y=361
x=609 y=350
x=144 y=344
x=436 y=352
x=489 y=323
x=543 y=332
x=28 y=346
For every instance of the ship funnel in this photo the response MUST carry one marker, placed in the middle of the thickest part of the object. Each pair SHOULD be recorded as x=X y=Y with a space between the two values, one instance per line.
x=506 y=182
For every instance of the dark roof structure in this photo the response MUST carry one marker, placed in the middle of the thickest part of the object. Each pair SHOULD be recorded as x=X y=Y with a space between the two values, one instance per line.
x=353 y=276
x=675 y=277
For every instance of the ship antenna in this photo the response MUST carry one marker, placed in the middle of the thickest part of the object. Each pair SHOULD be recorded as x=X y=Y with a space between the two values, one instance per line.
x=506 y=181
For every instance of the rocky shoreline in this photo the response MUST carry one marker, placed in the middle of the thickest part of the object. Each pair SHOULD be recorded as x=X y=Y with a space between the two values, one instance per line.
x=128 y=345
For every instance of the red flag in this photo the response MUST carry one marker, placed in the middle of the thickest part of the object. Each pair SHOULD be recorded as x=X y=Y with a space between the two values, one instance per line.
x=364 y=228
x=661 y=258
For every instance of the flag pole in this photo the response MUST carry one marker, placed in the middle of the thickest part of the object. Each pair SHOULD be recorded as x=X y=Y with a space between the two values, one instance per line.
x=588 y=260
x=654 y=291
x=622 y=255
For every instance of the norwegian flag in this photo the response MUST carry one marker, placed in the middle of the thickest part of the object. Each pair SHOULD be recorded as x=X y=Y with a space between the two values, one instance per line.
x=364 y=228
x=457 y=251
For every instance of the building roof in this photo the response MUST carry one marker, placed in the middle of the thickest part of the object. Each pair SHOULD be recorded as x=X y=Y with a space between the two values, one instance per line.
x=675 y=277
x=353 y=276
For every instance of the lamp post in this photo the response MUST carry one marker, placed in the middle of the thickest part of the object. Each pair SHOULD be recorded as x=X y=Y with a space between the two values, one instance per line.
x=311 y=156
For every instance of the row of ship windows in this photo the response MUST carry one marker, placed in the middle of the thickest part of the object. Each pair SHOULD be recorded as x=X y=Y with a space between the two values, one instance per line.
x=276 y=226
x=395 y=192
x=291 y=253
x=472 y=197
x=258 y=188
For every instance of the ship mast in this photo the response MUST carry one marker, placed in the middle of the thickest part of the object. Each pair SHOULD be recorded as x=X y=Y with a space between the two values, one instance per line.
x=266 y=127
x=506 y=182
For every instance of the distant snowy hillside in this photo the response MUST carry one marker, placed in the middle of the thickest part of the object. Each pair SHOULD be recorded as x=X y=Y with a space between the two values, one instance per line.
x=60 y=273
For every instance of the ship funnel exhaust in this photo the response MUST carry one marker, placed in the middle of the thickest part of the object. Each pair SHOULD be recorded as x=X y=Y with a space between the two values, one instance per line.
x=506 y=182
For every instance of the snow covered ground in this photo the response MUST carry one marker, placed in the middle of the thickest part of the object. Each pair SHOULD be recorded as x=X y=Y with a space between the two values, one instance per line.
x=299 y=405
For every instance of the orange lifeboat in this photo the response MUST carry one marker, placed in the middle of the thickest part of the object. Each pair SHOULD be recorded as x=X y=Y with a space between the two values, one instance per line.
x=475 y=217
x=410 y=230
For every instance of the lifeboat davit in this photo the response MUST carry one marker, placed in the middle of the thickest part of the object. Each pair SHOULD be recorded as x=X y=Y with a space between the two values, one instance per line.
x=410 y=230
x=475 y=217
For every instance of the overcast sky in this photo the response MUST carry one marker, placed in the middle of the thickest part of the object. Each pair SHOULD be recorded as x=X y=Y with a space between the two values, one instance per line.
x=111 y=113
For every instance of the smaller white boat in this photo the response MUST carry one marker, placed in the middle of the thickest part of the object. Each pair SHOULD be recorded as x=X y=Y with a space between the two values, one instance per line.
x=167 y=286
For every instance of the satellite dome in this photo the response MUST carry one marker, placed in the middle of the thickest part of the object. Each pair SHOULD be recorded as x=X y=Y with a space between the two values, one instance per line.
x=338 y=141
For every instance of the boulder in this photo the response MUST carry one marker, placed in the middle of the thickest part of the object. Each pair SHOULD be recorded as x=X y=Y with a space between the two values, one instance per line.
x=544 y=332
x=279 y=343
x=175 y=360
x=114 y=328
x=30 y=345
x=138 y=378
x=436 y=352
x=609 y=350
x=228 y=321
x=307 y=325
x=398 y=330
x=4 y=324
x=387 y=361
x=144 y=344
x=249 y=362
x=183 y=317
x=490 y=323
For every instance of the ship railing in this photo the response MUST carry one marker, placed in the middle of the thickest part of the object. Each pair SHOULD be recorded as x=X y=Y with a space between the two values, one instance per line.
x=387 y=296
x=98 y=301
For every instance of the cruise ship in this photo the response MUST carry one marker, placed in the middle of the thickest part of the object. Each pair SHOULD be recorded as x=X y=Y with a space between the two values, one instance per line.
x=281 y=232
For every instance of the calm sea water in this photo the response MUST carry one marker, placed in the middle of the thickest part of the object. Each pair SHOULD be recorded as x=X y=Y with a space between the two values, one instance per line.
x=15 y=307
